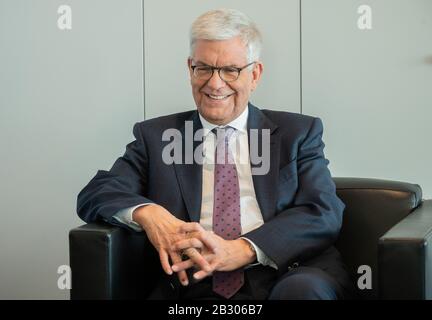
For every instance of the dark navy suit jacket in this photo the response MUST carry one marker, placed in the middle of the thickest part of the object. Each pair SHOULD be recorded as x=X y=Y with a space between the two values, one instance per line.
x=302 y=214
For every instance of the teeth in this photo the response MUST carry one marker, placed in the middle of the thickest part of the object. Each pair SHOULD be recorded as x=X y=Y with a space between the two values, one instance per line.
x=217 y=97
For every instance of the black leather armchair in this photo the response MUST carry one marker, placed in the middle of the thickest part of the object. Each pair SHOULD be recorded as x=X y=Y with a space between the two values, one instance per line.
x=387 y=226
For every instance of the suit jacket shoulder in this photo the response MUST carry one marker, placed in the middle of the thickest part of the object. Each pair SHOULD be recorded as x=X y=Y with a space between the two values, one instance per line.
x=176 y=120
x=291 y=121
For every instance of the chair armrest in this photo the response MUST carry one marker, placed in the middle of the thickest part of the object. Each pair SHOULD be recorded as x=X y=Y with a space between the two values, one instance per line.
x=373 y=207
x=404 y=257
x=109 y=262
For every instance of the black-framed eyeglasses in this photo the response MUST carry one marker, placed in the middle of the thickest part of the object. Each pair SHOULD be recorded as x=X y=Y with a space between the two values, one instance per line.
x=227 y=74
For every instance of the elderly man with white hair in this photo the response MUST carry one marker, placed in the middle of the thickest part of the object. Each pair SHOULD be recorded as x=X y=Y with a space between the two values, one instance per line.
x=255 y=214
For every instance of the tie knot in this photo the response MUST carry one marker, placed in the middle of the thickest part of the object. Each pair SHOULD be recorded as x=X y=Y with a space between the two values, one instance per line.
x=223 y=133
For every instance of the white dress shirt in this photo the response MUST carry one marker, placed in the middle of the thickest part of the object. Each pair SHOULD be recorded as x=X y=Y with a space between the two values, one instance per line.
x=251 y=217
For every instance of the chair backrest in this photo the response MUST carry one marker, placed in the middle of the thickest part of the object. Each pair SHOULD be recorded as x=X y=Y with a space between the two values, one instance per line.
x=372 y=207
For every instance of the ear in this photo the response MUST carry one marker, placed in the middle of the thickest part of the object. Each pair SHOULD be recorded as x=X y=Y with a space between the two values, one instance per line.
x=189 y=63
x=256 y=74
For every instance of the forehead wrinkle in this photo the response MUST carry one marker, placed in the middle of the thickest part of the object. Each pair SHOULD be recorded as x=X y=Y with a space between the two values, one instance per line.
x=216 y=54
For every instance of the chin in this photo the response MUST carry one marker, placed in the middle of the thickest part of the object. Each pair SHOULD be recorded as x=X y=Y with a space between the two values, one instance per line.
x=214 y=114
x=213 y=117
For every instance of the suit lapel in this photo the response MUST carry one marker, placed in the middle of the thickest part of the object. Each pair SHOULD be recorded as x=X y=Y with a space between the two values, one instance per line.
x=265 y=185
x=189 y=176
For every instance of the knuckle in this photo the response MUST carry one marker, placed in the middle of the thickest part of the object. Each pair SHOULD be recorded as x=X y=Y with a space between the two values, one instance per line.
x=190 y=251
x=194 y=252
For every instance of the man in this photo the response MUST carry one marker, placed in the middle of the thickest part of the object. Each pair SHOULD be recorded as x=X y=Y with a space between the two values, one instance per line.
x=223 y=228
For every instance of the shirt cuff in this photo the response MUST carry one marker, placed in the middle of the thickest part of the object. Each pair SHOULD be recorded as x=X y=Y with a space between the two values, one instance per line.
x=125 y=216
x=262 y=258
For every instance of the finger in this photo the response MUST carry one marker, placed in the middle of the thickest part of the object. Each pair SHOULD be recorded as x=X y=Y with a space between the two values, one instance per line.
x=195 y=230
x=163 y=256
x=191 y=227
x=183 y=265
x=188 y=243
x=197 y=258
x=205 y=237
x=209 y=240
x=182 y=276
x=202 y=274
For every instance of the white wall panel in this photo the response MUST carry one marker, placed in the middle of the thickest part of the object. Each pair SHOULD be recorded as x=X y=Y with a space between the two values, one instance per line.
x=372 y=88
x=68 y=100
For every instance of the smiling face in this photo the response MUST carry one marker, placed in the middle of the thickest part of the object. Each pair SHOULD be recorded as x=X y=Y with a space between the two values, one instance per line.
x=220 y=102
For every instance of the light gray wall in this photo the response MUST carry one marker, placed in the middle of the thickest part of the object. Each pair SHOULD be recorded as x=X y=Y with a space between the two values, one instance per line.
x=68 y=100
x=372 y=88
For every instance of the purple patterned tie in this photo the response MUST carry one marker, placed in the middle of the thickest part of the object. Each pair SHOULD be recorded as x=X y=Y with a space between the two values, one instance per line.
x=226 y=211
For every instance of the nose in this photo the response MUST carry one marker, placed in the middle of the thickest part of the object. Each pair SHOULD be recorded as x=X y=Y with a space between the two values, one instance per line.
x=215 y=82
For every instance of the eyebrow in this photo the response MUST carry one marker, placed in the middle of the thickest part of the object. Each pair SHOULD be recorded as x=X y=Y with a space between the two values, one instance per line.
x=201 y=63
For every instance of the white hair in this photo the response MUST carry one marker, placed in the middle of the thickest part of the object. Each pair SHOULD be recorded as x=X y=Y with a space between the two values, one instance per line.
x=224 y=24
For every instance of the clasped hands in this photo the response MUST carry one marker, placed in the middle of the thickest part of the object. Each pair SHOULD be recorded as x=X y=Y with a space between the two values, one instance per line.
x=204 y=250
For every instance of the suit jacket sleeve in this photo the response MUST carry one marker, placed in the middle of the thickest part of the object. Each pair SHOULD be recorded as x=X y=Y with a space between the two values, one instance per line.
x=312 y=222
x=121 y=187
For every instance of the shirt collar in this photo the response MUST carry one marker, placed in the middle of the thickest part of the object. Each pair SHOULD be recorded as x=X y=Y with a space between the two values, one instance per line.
x=239 y=123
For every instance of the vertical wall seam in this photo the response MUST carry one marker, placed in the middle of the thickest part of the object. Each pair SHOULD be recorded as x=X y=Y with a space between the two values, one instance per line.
x=301 y=58
x=143 y=60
